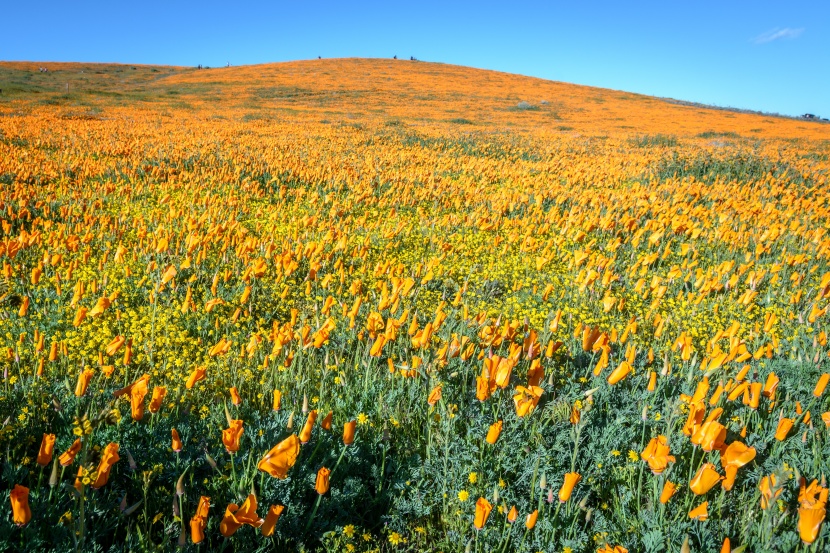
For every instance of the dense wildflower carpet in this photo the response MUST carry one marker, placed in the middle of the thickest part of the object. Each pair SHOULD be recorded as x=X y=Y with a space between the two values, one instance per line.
x=377 y=305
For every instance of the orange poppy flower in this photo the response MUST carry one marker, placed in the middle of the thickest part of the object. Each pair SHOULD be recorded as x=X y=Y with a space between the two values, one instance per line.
x=230 y=436
x=483 y=508
x=784 y=427
x=47 y=450
x=734 y=457
x=137 y=393
x=770 y=385
x=512 y=515
x=494 y=432
x=705 y=479
x=236 y=516
x=321 y=484
x=619 y=373
x=482 y=388
x=83 y=382
x=326 y=424
x=281 y=457
x=526 y=399
x=108 y=458
x=271 y=519
x=348 y=432
x=695 y=418
x=21 y=513
x=199 y=521
x=669 y=489
x=656 y=454
x=821 y=384
x=158 y=396
x=710 y=435
x=277 y=400
x=305 y=434
x=177 y=442
x=612 y=549
x=100 y=306
x=197 y=375
x=701 y=512
x=434 y=396
x=114 y=345
x=812 y=510
x=68 y=456
x=571 y=479
x=530 y=521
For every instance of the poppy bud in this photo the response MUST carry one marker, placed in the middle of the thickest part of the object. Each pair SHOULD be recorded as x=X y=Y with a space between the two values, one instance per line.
x=322 y=482
x=530 y=521
x=348 y=432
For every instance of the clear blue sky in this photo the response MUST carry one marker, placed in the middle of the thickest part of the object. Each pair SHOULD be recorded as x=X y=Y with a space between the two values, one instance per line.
x=763 y=55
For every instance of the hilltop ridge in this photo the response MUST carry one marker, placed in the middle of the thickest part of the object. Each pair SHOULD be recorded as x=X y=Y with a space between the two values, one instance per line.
x=394 y=91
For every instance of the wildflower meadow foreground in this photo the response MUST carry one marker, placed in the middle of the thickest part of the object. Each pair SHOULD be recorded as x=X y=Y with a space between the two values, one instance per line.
x=355 y=305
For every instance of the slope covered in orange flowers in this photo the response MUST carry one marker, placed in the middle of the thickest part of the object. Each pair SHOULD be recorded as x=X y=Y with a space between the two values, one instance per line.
x=384 y=90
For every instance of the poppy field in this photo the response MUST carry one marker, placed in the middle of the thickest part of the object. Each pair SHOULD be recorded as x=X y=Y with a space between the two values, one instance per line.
x=365 y=306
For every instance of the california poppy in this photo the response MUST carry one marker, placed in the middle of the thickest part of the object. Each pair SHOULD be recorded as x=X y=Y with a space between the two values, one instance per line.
x=230 y=436
x=114 y=345
x=83 y=382
x=305 y=433
x=177 y=441
x=784 y=427
x=434 y=396
x=734 y=457
x=199 y=521
x=236 y=516
x=512 y=515
x=526 y=399
x=483 y=508
x=235 y=397
x=68 y=456
x=656 y=454
x=705 y=479
x=137 y=393
x=158 y=396
x=271 y=519
x=619 y=373
x=281 y=457
x=812 y=510
x=321 y=484
x=710 y=435
x=530 y=521
x=669 y=489
x=47 y=450
x=821 y=384
x=348 y=432
x=571 y=479
x=326 y=424
x=21 y=513
x=493 y=432
x=196 y=375
x=108 y=458
x=701 y=512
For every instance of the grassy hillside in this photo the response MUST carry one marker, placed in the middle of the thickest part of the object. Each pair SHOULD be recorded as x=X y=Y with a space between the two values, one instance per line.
x=391 y=306
x=389 y=91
